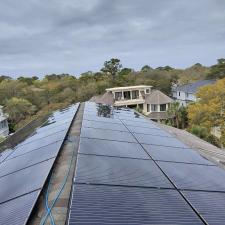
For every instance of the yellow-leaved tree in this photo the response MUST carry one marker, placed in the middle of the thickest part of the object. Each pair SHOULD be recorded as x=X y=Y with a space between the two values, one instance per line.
x=209 y=110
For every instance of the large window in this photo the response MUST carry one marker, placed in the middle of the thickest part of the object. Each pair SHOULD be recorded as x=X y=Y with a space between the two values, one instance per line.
x=162 y=107
x=154 y=108
x=135 y=94
x=118 y=96
x=126 y=95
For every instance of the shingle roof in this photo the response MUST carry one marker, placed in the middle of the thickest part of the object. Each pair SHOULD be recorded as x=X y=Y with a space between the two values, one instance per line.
x=157 y=97
x=106 y=98
x=193 y=87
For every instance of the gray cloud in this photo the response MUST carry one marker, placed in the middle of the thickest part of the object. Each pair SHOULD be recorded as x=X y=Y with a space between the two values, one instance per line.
x=73 y=36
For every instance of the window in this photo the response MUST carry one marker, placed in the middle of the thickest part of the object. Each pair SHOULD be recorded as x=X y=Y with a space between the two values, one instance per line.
x=148 y=108
x=179 y=93
x=187 y=95
x=162 y=107
x=126 y=95
x=147 y=91
x=135 y=94
x=154 y=108
x=118 y=96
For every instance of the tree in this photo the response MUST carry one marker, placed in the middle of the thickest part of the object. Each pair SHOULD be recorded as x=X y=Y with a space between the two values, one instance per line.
x=146 y=68
x=178 y=115
x=112 y=67
x=209 y=111
x=217 y=71
x=18 y=109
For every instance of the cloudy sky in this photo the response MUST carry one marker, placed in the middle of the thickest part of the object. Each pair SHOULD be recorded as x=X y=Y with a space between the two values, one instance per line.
x=39 y=37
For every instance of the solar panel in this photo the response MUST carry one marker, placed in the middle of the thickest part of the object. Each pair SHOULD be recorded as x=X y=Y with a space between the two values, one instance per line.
x=195 y=177
x=93 y=204
x=103 y=125
x=165 y=153
x=151 y=131
x=50 y=136
x=5 y=154
x=101 y=119
x=159 y=140
x=144 y=123
x=119 y=171
x=28 y=159
x=24 y=181
x=111 y=148
x=45 y=143
x=107 y=134
x=44 y=140
x=211 y=205
x=17 y=210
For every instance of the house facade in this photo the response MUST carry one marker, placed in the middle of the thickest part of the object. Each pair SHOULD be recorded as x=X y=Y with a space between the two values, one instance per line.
x=187 y=93
x=153 y=103
x=4 y=128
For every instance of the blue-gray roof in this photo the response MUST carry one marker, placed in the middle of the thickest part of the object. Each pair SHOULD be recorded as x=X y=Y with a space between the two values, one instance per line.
x=193 y=87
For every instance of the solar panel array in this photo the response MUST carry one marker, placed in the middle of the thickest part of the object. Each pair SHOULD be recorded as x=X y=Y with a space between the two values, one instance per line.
x=25 y=168
x=129 y=171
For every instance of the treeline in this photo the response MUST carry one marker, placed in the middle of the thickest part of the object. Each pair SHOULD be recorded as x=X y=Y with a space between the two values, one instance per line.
x=25 y=98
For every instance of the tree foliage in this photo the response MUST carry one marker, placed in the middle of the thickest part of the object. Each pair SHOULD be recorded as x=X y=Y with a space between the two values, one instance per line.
x=112 y=67
x=209 y=111
x=217 y=71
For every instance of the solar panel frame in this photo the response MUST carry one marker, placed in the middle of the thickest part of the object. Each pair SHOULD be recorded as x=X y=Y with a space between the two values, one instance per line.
x=119 y=171
x=99 y=204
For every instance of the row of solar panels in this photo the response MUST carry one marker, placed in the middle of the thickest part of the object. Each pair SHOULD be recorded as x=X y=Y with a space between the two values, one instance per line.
x=25 y=168
x=131 y=172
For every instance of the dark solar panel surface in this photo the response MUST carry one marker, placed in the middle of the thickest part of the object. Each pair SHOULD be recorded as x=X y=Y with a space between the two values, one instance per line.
x=24 y=181
x=17 y=210
x=25 y=168
x=211 y=205
x=164 y=153
x=124 y=205
x=103 y=125
x=119 y=171
x=195 y=177
x=111 y=148
x=151 y=131
x=159 y=140
x=137 y=176
x=107 y=134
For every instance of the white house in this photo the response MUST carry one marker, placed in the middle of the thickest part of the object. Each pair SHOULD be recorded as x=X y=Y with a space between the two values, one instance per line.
x=153 y=103
x=4 y=128
x=187 y=93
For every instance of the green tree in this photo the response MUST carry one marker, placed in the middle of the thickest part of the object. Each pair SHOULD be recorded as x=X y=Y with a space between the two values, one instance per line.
x=18 y=109
x=112 y=67
x=217 y=71
x=146 y=68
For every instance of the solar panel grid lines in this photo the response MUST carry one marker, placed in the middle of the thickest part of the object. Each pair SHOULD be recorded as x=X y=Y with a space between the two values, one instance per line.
x=18 y=210
x=26 y=169
x=100 y=166
x=174 y=154
x=93 y=204
x=211 y=205
x=195 y=177
x=107 y=134
x=111 y=148
x=119 y=171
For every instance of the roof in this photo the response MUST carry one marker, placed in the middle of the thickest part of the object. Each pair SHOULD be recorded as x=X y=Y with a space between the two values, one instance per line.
x=128 y=170
x=157 y=97
x=193 y=87
x=106 y=98
x=128 y=88
x=159 y=115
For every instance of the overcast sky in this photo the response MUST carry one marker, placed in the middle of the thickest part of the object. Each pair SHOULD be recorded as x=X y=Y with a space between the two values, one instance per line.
x=39 y=37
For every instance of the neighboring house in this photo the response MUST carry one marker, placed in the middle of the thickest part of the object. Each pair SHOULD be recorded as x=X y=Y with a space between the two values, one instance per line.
x=187 y=93
x=153 y=103
x=4 y=128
